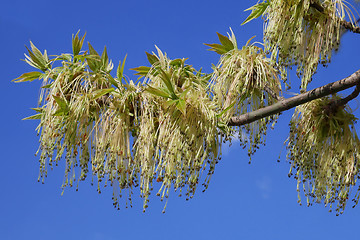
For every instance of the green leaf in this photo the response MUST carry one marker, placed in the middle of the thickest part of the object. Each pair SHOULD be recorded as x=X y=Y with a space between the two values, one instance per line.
x=112 y=81
x=120 y=70
x=36 y=51
x=47 y=86
x=152 y=58
x=92 y=51
x=218 y=48
x=170 y=103
x=30 y=76
x=36 y=58
x=157 y=92
x=256 y=11
x=225 y=46
x=142 y=70
x=36 y=116
x=225 y=41
x=104 y=58
x=77 y=43
x=166 y=79
x=39 y=110
x=177 y=62
x=81 y=57
x=181 y=105
x=93 y=59
x=60 y=112
x=101 y=92
x=62 y=103
x=65 y=56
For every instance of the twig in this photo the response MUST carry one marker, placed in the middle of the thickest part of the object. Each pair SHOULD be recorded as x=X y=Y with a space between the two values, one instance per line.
x=347 y=25
x=289 y=103
x=273 y=94
x=345 y=100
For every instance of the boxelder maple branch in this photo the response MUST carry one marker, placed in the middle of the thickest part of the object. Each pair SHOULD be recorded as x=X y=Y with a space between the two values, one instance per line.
x=289 y=103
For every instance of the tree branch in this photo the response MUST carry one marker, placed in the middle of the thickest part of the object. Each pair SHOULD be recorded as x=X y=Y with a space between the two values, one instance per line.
x=272 y=93
x=345 y=100
x=347 y=25
x=289 y=103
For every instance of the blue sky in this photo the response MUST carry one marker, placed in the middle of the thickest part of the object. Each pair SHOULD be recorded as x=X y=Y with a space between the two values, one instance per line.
x=256 y=201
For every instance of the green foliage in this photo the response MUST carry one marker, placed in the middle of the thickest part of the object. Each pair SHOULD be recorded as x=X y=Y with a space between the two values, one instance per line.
x=36 y=59
x=256 y=11
x=227 y=44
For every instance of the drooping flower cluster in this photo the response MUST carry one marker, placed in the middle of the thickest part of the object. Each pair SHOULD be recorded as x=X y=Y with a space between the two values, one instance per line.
x=304 y=32
x=168 y=129
x=324 y=151
x=128 y=134
x=178 y=136
x=245 y=80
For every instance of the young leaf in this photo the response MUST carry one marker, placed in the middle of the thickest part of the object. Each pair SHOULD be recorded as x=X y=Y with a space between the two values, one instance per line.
x=65 y=56
x=151 y=58
x=166 y=79
x=77 y=43
x=104 y=58
x=94 y=60
x=60 y=112
x=177 y=62
x=30 y=76
x=120 y=70
x=62 y=103
x=157 y=92
x=256 y=11
x=101 y=92
x=225 y=41
x=170 y=103
x=36 y=58
x=218 y=48
x=47 y=86
x=225 y=46
x=92 y=51
x=142 y=70
x=36 y=116
x=112 y=80
x=181 y=105
x=39 y=110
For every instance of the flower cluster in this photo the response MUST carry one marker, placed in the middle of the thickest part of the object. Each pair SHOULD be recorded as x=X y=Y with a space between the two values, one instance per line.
x=323 y=151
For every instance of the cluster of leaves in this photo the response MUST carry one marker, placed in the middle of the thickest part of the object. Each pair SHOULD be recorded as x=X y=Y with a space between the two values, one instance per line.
x=302 y=32
x=243 y=81
x=324 y=151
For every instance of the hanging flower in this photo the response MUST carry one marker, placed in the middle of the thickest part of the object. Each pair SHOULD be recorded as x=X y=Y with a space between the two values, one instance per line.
x=324 y=151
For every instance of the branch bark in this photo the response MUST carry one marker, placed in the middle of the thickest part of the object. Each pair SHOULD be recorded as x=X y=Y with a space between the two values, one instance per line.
x=289 y=103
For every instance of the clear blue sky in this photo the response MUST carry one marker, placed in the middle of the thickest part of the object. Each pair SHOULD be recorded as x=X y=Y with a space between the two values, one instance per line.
x=256 y=201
